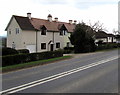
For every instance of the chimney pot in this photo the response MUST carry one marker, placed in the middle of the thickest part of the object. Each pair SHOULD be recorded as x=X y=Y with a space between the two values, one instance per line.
x=70 y=21
x=56 y=19
x=50 y=17
x=75 y=21
x=29 y=15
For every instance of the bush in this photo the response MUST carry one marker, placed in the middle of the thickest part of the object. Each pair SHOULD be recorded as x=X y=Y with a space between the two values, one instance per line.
x=23 y=58
x=8 y=51
x=23 y=51
x=68 y=50
x=107 y=46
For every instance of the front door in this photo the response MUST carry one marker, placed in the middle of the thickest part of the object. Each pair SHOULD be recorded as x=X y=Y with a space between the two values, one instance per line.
x=51 y=47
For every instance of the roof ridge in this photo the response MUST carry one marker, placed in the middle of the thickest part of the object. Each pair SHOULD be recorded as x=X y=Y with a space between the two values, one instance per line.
x=52 y=21
x=41 y=19
x=19 y=16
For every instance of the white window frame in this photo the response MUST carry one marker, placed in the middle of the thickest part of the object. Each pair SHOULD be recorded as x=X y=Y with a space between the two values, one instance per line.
x=17 y=30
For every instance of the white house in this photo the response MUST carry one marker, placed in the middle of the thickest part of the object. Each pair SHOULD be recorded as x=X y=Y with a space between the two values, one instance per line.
x=37 y=34
x=104 y=37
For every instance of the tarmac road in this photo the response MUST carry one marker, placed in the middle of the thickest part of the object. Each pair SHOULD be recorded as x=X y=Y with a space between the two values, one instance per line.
x=85 y=73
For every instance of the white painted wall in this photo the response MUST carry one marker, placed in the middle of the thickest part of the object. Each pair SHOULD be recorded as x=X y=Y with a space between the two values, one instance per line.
x=103 y=39
x=13 y=37
x=26 y=39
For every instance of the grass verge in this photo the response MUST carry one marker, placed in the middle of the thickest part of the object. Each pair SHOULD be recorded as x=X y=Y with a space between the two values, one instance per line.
x=31 y=64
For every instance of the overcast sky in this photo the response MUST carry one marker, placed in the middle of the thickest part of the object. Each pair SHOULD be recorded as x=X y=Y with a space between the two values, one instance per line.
x=105 y=11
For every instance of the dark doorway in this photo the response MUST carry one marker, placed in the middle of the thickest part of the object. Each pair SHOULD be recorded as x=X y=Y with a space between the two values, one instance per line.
x=51 y=47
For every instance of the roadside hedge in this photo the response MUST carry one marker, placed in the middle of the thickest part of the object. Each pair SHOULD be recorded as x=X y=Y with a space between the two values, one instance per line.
x=24 y=58
x=107 y=46
x=8 y=51
x=23 y=51
x=68 y=50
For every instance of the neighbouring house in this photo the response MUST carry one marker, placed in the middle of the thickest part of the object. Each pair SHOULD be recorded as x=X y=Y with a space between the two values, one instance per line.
x=111 y=38
x=38 y=35
x=101 y=36
x=104 y=37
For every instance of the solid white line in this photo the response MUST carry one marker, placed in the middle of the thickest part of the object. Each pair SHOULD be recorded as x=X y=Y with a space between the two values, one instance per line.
x=47 y=79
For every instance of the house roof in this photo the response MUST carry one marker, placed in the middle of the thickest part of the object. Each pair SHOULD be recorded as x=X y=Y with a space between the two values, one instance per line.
x=35 y=24
x=100 y=34
x=111 y=35
x=51 y=26
x=23 y=22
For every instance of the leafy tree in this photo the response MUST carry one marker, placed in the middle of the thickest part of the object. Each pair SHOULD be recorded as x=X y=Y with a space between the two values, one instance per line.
x=81 y=39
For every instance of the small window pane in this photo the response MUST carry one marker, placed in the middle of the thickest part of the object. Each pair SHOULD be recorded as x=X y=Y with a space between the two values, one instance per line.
x=61 y=32
x=9 y=31
x=17 y=30
x=57 y=45
x=43 y=32
x=43 y=45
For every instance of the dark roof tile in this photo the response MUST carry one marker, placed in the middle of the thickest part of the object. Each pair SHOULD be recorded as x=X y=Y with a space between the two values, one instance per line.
x=101 y=34
x=24 y=23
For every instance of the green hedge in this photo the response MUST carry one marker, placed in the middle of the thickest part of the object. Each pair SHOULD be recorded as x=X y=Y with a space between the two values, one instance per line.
x=107 y=46
x=8 y=51
x=23 y=51
x=68 y=50
x=24 y=58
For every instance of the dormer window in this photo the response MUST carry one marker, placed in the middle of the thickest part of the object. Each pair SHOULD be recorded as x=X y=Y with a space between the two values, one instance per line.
x=65 y=32
x=43 y=32
x=61 y=32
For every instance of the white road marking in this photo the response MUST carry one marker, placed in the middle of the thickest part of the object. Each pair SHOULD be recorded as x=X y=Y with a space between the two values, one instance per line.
x=47 y=79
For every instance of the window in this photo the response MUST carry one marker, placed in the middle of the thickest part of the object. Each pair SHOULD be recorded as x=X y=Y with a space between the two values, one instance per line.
x=43 y=45
x=65 y=32
x=17 y=30
x=43 y=32
x=57 y=45
x=13 y=45
x=61 y=32
x=9 y=31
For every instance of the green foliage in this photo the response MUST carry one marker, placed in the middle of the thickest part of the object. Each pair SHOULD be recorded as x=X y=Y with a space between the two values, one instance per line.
x=30 y=64
x=23 y=51
x=68 y=50
x=8 y=51
x=23 y=58
x=107 y=46
x=81 y=39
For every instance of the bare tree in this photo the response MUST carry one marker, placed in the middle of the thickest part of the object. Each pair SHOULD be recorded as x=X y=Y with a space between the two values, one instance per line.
x=97 y=26
x=116 y=32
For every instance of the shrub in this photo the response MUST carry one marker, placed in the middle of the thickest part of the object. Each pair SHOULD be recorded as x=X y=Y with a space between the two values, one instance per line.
x=68 y=50
x=23 y=58
x=23 y=51
x=107 y=46
x=9 y=51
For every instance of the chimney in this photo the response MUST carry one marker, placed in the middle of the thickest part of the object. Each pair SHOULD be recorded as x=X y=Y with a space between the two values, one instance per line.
x=75 y=21
x=50 y=17
x=70 y=21
x=56 y=19
x=29 y=15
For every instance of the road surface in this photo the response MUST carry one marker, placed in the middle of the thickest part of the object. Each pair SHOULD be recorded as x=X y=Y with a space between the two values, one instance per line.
x=85 y=73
